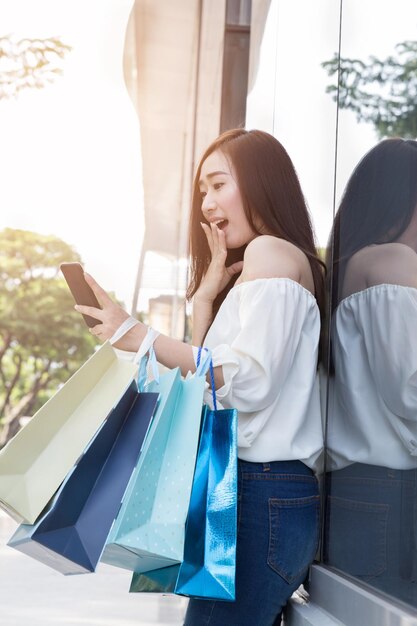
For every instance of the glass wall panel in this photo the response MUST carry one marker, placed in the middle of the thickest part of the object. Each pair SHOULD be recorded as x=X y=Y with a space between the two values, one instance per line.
x=287 y=92
x=370 y=519
x=235 y=64
x=238 y=12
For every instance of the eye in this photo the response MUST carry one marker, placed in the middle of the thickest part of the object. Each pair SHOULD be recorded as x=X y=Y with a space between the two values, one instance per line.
x=203 y=195
x=218 y=185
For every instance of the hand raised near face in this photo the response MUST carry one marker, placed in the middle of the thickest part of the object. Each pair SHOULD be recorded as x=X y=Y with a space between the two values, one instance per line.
x=218 y=275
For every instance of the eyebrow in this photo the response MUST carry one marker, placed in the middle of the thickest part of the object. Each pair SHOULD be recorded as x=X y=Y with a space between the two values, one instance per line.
x=213 y=174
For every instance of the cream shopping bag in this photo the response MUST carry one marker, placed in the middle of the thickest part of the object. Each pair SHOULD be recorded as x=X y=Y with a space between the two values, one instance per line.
x=35 y=462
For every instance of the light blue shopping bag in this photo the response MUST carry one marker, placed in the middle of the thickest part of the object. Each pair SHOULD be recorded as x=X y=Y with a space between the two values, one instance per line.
x=148 y=532
x=209 y=563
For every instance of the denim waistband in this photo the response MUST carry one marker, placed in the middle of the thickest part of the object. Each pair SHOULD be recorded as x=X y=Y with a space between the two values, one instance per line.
x=362 y=470
x=276 y=467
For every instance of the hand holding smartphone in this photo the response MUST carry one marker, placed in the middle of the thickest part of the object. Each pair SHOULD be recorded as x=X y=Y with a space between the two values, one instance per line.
x=81 y=291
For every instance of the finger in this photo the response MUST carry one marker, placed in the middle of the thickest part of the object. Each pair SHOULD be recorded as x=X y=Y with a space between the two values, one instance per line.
x=235 y=268
x=96 y=330
x=222 y=241
x=98 y=314
x=219 y=244
x=209 y=236
x=99 y=292
x=215 y=232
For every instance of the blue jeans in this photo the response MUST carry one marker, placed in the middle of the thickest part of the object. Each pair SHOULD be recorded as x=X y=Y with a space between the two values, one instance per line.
x=277 y=538
x=370 y=529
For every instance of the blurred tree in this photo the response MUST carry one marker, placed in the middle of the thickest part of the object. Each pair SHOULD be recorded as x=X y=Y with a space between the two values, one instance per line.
x=28 y=63
x=43 y=341
x=383 y=92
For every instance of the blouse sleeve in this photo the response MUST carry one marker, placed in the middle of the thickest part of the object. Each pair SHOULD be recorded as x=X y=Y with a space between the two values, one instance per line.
x=273 y=321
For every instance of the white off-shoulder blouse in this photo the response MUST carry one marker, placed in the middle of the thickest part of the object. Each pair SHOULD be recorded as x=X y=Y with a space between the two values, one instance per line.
x=265 y=336
x=373 y=402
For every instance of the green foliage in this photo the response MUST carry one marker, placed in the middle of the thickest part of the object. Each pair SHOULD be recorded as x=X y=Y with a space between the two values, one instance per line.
x=321 y=252
x=43 y=341
x=382 y=92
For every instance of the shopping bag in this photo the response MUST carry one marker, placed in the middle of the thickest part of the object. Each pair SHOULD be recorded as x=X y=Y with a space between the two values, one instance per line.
x=208 y=567
x=148 y=533
x=156 y=581
x=35 y=462
x=70 y=537
x=209 y=564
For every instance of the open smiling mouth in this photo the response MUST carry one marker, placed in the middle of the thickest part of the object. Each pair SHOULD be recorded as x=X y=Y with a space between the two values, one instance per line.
x=222 y=224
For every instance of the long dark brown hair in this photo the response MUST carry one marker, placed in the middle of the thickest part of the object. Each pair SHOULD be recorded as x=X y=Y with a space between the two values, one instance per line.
x=377 y=205
x=270 y=192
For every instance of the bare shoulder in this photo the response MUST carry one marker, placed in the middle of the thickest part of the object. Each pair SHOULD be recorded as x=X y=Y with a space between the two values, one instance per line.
x=391 y=263
x=271 y=257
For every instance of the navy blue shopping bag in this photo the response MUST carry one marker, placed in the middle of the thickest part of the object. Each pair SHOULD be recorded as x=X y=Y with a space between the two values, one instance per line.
x=70 y=536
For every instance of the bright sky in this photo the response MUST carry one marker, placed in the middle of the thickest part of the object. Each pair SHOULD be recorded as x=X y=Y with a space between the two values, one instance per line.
x=70 y=154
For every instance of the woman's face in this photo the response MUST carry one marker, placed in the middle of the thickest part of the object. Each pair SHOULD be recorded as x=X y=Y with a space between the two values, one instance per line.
x=222 y=202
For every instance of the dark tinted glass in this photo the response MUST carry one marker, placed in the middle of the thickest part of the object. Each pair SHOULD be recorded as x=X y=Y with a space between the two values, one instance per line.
x=371 y=479
x=238 y=12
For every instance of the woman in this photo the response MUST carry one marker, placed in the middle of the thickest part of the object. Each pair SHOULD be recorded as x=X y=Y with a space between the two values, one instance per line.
x=257 y=286
x=377 y=209
x=372 y=430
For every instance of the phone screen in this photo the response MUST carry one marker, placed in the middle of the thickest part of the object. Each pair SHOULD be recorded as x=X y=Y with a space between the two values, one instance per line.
x=81 y=291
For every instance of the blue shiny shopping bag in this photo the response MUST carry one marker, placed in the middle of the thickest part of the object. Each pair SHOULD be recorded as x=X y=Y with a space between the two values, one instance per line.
x=149 y=530
x=71 y=535
x=209 y=562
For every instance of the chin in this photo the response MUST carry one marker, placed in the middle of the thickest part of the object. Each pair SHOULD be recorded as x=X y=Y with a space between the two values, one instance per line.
x=233 y=244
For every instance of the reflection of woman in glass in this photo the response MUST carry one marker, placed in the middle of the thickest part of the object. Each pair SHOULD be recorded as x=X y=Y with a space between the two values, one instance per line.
x=249 y=221
x=372 y=434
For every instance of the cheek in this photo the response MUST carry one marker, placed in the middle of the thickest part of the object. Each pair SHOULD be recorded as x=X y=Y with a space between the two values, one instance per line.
x=235 y=205
x=232 y=201
x=243 y=220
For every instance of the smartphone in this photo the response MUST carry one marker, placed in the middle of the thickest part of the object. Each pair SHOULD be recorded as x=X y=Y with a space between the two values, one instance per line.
x=81 y=291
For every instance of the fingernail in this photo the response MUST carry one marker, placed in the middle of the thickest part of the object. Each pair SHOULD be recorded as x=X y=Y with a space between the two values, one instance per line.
x=76 y=307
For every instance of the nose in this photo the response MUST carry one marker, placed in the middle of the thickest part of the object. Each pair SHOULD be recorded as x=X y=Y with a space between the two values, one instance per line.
x=208 y=203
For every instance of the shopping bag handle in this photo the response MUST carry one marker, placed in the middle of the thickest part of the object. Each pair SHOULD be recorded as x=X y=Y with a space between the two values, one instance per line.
x=203 y=366
x=146 y=345
x=146 y=361
x=124 y=328
x=145 y=356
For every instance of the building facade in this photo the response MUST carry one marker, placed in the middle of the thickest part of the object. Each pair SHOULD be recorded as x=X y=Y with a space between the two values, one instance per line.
x=330 y=79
